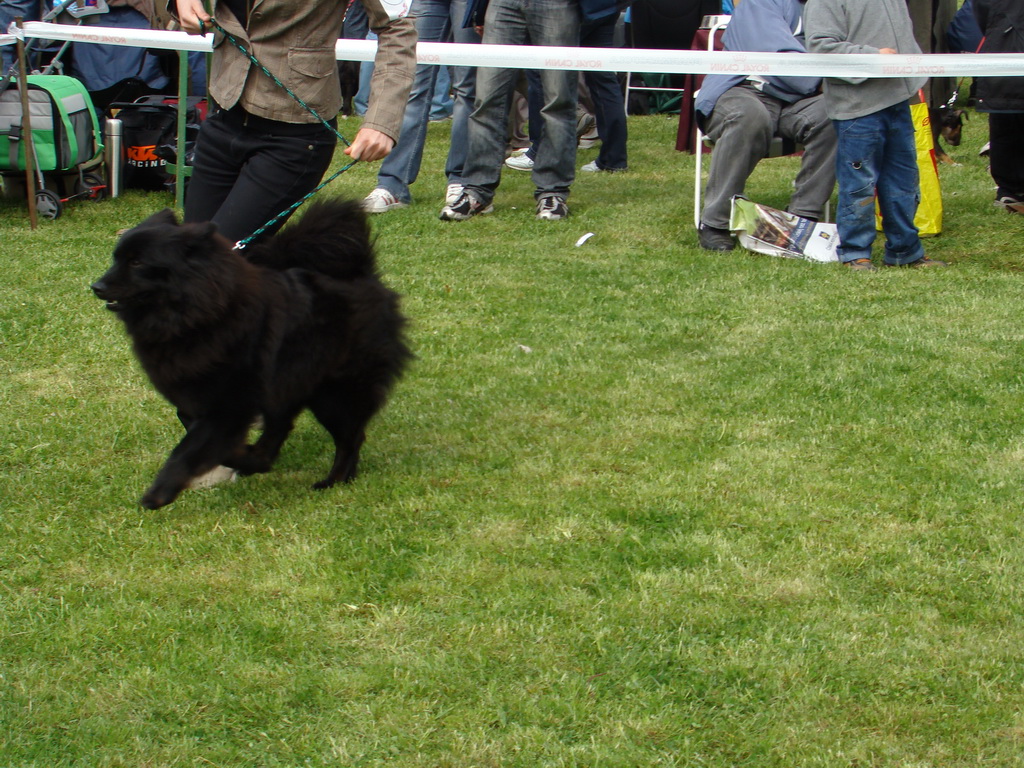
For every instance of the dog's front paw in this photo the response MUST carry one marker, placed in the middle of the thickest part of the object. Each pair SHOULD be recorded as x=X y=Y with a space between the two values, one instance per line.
x=153 y=501
x=158 y=496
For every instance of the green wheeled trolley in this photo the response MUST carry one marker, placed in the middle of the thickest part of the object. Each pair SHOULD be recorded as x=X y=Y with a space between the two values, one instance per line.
x=65 y=134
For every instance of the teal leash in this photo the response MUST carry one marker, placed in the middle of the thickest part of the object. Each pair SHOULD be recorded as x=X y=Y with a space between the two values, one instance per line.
x=241 y=244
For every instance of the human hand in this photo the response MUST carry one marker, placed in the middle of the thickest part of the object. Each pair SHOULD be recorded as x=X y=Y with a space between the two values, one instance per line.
x=193 y=16
x=888 y=51
x=370 y=145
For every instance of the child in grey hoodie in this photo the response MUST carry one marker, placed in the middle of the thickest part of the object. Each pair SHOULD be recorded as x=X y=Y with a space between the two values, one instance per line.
x=876 y=150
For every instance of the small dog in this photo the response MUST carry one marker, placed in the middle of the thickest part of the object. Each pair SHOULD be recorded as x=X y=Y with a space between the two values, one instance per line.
x=301 y=321
x=947 y=123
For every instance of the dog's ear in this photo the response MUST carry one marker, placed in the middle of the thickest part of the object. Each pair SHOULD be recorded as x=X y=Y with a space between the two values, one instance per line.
x=200 y=231
x=202 y=238
x=160 y=218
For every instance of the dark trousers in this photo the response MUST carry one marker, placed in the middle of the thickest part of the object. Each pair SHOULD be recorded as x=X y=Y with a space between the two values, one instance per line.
x=248 y=170
x=1006 y=153
x=605 y=92
x=609 y=107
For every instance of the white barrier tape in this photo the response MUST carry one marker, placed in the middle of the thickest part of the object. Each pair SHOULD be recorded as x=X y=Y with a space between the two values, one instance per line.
x=135 y=38
x=14 y=33
x=597 y=59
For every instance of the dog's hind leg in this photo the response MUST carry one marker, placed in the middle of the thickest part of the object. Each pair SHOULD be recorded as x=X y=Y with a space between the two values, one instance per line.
x=205 y=445
x=344 y=411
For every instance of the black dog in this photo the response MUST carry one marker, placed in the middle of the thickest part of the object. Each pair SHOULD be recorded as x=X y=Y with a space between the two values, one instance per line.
x=301 y=321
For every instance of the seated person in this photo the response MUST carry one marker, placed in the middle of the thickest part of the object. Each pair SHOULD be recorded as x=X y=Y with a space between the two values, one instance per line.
x=742 y=114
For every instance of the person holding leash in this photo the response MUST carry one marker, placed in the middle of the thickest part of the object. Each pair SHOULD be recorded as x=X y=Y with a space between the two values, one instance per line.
x=262 y=151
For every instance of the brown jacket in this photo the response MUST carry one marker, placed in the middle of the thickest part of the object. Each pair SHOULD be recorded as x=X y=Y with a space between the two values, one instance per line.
x=295 y=41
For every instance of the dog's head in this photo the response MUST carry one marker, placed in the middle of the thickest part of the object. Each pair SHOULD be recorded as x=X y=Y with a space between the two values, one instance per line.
x=163 y=266
x=951 y=123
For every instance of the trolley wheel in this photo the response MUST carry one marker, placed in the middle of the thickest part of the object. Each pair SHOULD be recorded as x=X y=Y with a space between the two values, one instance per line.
x=48 y=204
x=92 y=186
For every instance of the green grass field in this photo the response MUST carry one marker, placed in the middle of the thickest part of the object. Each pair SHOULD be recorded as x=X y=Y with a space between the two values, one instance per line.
x=635 y=504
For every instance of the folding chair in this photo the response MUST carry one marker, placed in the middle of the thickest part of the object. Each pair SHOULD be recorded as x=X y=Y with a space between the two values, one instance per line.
x=779 y=147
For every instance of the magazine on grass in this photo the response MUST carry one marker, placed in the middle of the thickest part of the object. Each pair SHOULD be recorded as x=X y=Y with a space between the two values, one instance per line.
x=777 y=233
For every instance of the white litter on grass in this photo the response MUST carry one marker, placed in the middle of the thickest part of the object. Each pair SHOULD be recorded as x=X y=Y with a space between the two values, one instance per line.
x=584 y=239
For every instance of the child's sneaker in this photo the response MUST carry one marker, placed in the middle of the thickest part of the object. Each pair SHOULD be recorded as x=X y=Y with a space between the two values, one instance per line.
x=552 y=208
x=465 y=207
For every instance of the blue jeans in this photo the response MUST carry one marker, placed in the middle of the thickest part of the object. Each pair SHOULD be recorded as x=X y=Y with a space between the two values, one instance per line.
x=525 y=22
x=442 y=104
x=362 y=97
x=436 y=21
x=877 y=153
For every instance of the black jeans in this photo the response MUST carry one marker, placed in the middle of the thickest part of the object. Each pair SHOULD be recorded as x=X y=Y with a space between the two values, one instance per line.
x=249 y=169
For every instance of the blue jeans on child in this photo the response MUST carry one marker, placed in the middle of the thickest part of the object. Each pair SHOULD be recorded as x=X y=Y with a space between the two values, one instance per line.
x=877 y=153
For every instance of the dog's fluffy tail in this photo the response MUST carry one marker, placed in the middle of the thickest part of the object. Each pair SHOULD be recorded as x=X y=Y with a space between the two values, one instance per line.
x=332 y=237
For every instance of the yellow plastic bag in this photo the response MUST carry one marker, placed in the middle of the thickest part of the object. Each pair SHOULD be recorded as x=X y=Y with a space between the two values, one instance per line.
x=929 y=212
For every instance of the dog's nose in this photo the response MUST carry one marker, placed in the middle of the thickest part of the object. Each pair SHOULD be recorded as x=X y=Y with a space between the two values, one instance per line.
x=100 y=289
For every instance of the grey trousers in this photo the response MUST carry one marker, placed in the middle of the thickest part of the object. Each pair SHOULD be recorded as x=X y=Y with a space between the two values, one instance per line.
x=742 y=126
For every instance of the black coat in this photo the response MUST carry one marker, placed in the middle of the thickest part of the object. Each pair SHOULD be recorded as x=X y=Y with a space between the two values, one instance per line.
x=1002 y=23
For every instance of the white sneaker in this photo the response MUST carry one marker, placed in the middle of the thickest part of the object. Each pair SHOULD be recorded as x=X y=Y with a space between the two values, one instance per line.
x=519 y=162
x=452 y=194
x=593 y=167
x=381 y=201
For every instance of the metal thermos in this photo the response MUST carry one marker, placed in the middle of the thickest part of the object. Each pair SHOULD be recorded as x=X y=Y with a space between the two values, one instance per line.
x=114 y=140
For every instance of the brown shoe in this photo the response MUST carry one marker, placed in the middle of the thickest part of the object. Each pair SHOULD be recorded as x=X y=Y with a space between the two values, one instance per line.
x=1010 y=203
x=921 y=263
x=861 y=265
